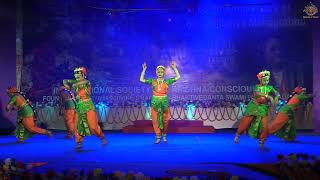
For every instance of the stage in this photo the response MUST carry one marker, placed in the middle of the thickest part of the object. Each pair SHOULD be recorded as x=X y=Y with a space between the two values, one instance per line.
x=214 y=152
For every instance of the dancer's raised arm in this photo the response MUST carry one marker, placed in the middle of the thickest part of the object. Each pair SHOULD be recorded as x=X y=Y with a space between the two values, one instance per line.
x=144 y=68
x=174 y=67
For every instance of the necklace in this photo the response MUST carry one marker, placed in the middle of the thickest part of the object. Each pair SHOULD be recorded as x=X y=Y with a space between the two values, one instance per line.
x=160 y=82
x=263 y=89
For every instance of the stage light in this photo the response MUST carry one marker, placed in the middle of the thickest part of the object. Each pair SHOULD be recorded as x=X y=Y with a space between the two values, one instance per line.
x=190 y=110
x=147 y=115
x=102 y=110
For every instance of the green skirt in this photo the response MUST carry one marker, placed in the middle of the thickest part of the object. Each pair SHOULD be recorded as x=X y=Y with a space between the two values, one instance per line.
x=288 y=131
x=258 y=111
x=83 y=107
x=160 y=105
x=21 y=132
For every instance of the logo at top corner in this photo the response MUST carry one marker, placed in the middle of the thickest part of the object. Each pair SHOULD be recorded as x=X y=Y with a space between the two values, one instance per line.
x=311 y=10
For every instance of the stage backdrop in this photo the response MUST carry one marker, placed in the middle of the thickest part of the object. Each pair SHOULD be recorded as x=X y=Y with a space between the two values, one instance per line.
x=219 y=48
x=7 y=62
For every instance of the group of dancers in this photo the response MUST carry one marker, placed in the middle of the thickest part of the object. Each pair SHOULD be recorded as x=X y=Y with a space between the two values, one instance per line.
x=81 y=117
x=255 y=118
x=79 y=111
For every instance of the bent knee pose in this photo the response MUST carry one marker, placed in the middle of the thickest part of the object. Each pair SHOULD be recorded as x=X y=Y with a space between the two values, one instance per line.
x=87 y=120
x=160 y=112
x=25 y=118
x=255 y=118
x=284 y=123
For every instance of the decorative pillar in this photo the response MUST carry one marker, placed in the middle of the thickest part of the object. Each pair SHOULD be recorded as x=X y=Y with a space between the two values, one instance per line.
x=19 y=43
x=316 y=73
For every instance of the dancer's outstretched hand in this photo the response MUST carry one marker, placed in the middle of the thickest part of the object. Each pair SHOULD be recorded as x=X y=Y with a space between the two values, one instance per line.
x=144 y=66
x=173 y=64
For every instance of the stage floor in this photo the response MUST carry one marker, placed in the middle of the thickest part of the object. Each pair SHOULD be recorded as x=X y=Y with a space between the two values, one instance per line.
x=136 y=152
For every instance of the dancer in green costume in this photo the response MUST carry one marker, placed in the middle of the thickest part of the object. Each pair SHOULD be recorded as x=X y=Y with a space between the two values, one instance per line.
x=87 y=121
x=26 y=116
x=256 y=114
x=160 y=112
x=284 y=124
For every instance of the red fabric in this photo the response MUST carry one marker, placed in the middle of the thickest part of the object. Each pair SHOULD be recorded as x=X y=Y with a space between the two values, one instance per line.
x=244 y=124
x=166 y=118
x=12 y=90
x=298 y=89
x=278 y=122
x=93 y=125
x=29 y=124
x=70 y=117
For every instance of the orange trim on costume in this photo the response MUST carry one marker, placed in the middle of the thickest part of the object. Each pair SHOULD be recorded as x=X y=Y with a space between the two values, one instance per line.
x=294 y=100
x=160 y=89
x=82 y=94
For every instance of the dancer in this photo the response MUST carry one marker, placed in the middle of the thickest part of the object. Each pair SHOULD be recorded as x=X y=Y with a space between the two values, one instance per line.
x=68 y=105
x=25 y=119
x=160 y=112
x=87 y=120
x=256 y=114
x=284 y=124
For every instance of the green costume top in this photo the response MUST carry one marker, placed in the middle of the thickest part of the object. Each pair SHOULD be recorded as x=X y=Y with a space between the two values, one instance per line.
x=24 y=109
x=264 y=90
x=159 y=100
x=84 y=105
x=160 y=87
x=258 y=108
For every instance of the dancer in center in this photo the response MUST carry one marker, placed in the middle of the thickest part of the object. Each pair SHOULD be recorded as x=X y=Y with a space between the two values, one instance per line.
x=160 y=112
x=87 y=120
x=256 y=114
